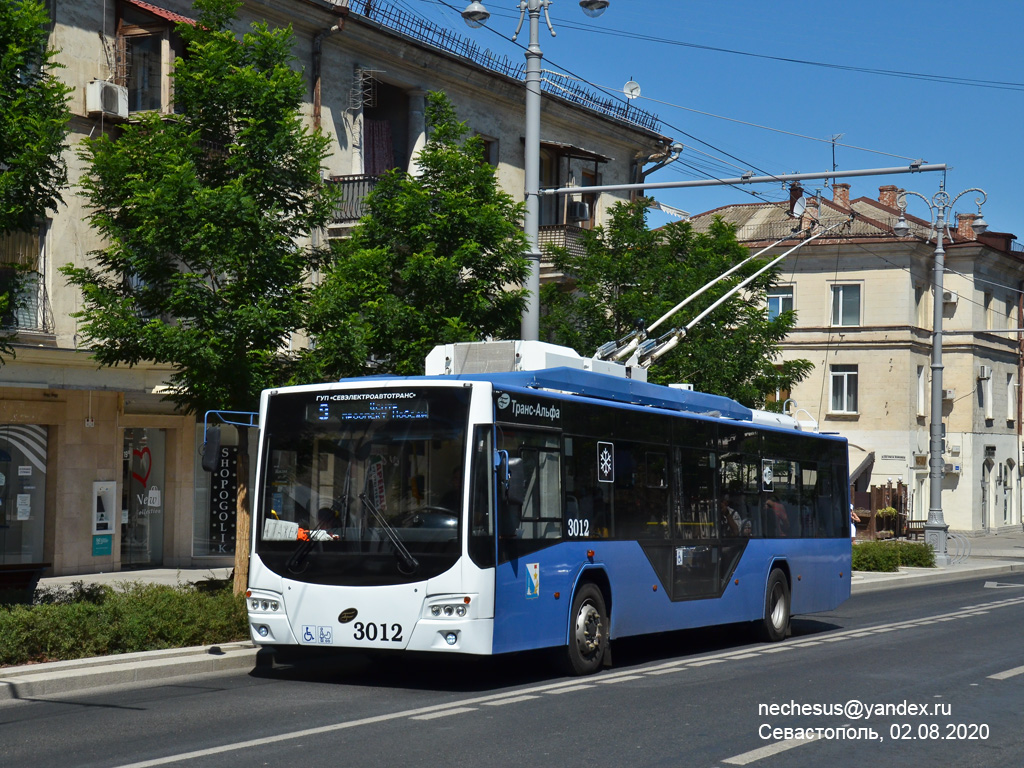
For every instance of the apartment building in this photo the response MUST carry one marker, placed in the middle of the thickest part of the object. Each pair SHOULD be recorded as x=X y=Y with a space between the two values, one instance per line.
x=97 y=471
x=864 y=302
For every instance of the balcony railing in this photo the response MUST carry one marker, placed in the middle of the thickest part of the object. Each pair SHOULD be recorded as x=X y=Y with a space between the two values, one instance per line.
x=443 y=39
x=31 y=310
x=351 y=204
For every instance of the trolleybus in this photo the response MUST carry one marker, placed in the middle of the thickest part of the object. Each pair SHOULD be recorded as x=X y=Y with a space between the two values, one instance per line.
x=495 y=512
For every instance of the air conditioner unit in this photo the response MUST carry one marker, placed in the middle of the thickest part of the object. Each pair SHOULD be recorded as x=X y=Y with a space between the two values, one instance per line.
x=950 y=297
x=952 y=469
x=984 y=371
x=577 y=211
x=949 y=394
x=102 y=96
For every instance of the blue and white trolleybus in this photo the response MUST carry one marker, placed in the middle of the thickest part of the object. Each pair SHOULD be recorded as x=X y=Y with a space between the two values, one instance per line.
x=561 y=507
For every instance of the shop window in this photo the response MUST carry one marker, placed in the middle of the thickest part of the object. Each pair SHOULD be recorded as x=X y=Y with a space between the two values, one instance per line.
x=22 y=492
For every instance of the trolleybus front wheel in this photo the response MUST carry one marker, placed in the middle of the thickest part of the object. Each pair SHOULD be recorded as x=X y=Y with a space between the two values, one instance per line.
x=588 y=632
x=775 y=624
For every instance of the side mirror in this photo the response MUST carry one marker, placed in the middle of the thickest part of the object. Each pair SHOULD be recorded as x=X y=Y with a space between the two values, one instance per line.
x=211 y=449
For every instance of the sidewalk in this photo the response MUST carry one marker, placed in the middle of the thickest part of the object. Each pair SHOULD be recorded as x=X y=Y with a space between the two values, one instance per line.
x=991 y=556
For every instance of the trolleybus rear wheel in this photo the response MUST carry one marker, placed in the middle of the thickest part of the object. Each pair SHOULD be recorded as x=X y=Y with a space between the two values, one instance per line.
x=588 y=632
x=775 y=624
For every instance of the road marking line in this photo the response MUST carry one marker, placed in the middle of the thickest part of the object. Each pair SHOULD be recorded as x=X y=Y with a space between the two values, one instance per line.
x=613 y=680
x=445 y=713
x=665 y=671
x=1007 y=674
x=745 y=656
x=772 y=749
x=513 y=700
x=706 y=662
x=570 y=689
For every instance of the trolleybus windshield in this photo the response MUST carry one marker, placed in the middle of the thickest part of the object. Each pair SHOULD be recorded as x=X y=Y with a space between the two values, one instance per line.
x=362 y=487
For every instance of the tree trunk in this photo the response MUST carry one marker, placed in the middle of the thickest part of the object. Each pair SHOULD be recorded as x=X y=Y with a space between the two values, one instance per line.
x=243 y=520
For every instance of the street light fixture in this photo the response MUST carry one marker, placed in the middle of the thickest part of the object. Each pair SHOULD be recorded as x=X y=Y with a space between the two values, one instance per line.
x=475 y=15
x=935 y=528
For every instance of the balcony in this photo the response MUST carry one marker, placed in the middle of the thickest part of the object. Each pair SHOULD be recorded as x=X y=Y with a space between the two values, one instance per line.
x=351 y=205
x=31 y=312
x=568 y=236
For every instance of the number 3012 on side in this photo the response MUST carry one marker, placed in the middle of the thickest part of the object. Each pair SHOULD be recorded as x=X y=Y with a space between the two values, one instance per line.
x=578 y=527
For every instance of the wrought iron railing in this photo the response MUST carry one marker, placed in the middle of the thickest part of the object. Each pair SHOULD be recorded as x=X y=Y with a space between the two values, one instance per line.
x=444 y=39
x=30 y=305
x=351 y=203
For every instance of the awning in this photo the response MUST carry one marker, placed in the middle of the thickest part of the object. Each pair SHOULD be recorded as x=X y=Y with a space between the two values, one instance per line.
x=577 y=153
x=860 y=461
x=163 y=13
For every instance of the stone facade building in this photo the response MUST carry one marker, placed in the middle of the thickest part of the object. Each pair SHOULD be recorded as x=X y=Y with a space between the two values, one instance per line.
x=97 y=471
x=863 y=299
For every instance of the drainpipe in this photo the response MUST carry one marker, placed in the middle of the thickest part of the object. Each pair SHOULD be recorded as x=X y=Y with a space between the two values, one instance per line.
x=318 y=45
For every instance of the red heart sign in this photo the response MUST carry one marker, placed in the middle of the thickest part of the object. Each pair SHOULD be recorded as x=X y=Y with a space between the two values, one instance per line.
x=145 y=463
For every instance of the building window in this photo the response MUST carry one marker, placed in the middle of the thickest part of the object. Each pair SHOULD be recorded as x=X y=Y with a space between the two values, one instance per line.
x=146 y=48
x=780 y=299
x=989 y=316
x=22 y=265
x=843 y=385
x=845 y=305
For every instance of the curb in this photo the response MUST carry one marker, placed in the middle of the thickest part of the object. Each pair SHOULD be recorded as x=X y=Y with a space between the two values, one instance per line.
x=863 y=581
x=58 y=677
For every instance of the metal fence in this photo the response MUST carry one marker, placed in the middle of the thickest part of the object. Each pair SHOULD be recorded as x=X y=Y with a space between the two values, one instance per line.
x=445 y=40
x=352 y=202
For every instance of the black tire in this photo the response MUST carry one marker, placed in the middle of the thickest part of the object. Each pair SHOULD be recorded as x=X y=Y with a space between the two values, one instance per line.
x=588 y=632
x=774 y=626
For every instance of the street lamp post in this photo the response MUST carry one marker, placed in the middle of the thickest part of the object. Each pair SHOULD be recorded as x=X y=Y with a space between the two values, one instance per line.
x=476 y=15
x=935 y=528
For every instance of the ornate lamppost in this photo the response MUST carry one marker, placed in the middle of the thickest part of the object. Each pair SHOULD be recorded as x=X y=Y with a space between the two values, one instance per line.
x=935 y=529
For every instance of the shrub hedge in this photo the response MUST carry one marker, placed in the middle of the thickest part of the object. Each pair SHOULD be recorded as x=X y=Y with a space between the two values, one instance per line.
x=890 y=555
x=97 y=620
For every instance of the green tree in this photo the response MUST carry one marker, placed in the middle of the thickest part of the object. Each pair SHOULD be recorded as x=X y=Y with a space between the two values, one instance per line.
x=438 y=259
x=201 y=212
x=33 y=134
x=630 y=274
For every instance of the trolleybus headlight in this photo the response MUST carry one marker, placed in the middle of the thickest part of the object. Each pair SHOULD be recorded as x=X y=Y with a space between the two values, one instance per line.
x=460 y=610
x=265 y=605
x=255 y=605
x=435 y=610
x=448 y=610
x=263 y=630
x=273 y=605
x=451 y=638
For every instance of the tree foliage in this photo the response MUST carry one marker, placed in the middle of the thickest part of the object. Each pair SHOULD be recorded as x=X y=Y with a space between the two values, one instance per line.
x=201 y=212
x=630 y=274
x=33 y=132
x=437 y=259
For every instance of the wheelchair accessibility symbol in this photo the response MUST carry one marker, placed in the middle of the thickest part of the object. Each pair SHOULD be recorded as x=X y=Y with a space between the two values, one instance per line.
x=319 y=635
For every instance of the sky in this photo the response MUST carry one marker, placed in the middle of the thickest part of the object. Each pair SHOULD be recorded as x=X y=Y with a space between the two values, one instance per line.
x=947 y=87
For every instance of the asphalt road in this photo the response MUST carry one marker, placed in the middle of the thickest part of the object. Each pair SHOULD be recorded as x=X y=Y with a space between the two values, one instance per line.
x=938 y=671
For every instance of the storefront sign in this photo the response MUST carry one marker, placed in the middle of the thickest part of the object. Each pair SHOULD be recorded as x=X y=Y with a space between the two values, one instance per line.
x=103 y=546
x=223 y=497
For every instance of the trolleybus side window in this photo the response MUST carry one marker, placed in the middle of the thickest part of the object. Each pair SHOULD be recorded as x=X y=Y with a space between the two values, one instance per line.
x=537 y=522
x=588 y=502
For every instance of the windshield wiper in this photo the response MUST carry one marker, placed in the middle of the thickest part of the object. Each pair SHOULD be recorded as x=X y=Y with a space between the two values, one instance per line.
x=404 y=554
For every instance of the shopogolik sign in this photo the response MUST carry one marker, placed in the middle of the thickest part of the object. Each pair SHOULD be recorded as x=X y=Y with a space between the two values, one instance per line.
x=223 y=497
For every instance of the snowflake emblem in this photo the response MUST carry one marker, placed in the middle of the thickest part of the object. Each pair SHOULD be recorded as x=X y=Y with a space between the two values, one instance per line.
x=606 y=462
